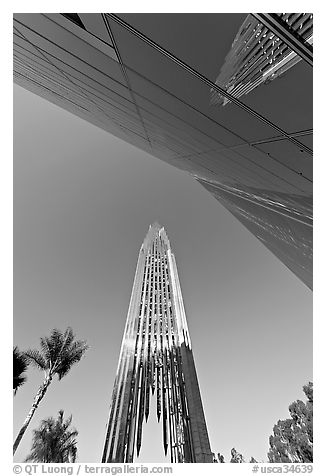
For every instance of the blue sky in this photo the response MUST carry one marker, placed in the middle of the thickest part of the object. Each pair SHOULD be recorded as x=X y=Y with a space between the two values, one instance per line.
x=83 y=201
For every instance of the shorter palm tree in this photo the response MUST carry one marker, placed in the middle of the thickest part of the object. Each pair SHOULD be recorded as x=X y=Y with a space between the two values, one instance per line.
x=54 y=442
x=58 y=354
x=19 y=367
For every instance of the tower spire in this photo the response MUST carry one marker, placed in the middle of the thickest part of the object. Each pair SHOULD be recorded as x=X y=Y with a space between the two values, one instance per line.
x=156 y=357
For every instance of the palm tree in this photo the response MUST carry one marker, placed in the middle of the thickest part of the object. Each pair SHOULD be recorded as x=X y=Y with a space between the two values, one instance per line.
x=19 y=367
x=58 y=354
x=53 y=442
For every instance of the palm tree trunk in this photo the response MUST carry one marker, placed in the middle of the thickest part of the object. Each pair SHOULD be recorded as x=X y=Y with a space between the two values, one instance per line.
x=38 y=397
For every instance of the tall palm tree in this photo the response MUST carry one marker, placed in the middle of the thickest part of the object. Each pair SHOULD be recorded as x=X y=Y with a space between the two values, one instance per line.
x=58 y=354
x=19 y=367
x=54 y=442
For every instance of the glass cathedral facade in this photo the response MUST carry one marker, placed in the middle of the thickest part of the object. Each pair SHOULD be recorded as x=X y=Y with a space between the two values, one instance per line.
x=148 y=79
x=156 y=361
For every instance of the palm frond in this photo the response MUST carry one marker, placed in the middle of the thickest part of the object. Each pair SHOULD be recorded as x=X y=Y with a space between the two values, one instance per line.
x=46 y=349
x=70 y=356
x=36 y=358
x=18 y=382
x=20 y=364
x=73 y=453
x=68 y=339
x=51 y=346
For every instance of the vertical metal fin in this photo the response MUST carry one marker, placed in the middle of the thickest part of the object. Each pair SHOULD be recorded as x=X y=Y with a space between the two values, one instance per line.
x=141 y=409
x=148 y=384
x=158 y=393
x=165 y=437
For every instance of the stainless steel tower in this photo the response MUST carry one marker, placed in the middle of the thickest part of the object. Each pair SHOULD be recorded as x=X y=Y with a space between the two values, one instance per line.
x=156 y=358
